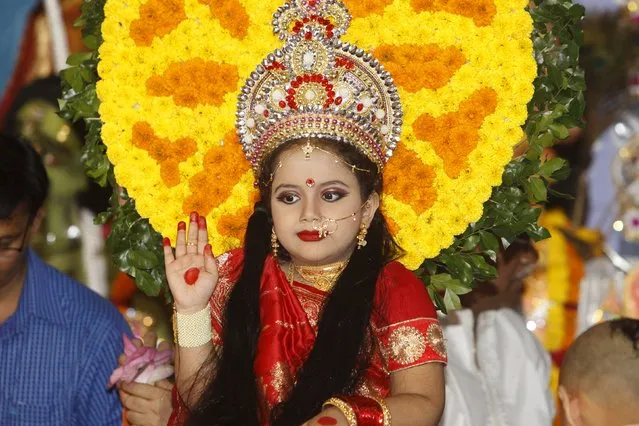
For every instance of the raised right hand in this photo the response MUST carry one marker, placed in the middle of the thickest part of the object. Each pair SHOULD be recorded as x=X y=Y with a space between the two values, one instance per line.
x=192 y=251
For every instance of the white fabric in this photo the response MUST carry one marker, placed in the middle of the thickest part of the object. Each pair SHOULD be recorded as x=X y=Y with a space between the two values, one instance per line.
x=59 y=39
x=511 y=385
x=97 y=275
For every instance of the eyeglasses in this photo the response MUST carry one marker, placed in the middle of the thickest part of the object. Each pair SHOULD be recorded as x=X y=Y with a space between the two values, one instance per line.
x=11 y=251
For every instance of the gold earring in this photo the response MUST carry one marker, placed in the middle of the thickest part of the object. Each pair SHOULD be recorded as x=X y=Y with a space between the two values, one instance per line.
x=361 y=237
x=274 y=244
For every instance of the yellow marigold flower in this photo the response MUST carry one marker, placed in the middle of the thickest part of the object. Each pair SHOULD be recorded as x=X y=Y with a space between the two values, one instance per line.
x=464 y=70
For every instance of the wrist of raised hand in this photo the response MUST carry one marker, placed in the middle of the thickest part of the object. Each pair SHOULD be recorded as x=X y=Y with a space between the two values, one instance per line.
x=190 y=310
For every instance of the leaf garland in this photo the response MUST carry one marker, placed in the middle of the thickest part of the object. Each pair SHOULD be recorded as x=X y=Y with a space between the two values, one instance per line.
x=512 y=210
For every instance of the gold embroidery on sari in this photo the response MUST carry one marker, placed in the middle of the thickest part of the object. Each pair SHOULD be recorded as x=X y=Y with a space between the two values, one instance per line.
x=369 y=389
x=436 y=340
x=281 y=380
x=288 y=324
x=406 y=345
x=311 y=303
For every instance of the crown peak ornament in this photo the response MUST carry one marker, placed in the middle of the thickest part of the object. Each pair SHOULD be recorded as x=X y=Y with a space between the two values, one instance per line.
x=318 y=86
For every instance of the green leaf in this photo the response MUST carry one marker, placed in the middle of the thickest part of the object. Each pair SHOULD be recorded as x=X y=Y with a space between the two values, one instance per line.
x=536 y=189
x=91 y=42
x=451 y=300
x=149 y=285
x=482 y=270
x=78 y=58
x=470 y=243
x=537 y=233
x=459 y=268
x=142 y=259
x=559 y=131
x=458 y=288
x=560 y=194
x=430 y=266
x=551 y=166
x=441 y=281
x=437 y=299
x=488 y=241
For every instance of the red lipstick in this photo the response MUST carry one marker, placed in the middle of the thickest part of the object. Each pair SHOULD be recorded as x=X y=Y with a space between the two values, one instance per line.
x=309 y=236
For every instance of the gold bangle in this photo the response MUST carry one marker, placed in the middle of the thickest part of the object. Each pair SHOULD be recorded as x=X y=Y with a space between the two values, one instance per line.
x=345 y=408
x=385 y=411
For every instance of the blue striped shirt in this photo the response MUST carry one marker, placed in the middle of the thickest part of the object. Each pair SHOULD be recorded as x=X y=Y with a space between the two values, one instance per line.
x=57 y=352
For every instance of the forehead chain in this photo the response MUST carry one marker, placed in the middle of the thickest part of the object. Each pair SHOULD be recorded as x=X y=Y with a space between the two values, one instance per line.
x=308 y=149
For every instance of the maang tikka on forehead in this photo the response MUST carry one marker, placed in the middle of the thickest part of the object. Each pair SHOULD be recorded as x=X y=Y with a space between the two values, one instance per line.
x=308 y=148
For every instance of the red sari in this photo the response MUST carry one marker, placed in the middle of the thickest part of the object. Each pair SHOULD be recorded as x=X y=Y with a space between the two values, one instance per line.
x=404 y=323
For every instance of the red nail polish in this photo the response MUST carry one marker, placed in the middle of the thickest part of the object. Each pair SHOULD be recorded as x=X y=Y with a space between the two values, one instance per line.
x=201 y=223
x=181 y=226
x=327 y=421
x=194 y=216
x=191 y=276
x=208 y=249
x=166 y=242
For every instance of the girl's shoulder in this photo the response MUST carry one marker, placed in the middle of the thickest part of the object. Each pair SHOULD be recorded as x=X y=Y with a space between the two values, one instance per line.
x=400 y=295
x=405 y=320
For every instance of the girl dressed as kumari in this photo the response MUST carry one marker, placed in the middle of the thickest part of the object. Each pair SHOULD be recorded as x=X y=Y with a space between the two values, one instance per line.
x=316 y=319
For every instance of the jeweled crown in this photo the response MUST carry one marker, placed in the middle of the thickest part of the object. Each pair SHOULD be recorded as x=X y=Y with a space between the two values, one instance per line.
x=318 y=86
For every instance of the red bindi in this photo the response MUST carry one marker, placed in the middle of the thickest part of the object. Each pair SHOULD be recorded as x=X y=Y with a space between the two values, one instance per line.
x=310 y=182
x=326 y=421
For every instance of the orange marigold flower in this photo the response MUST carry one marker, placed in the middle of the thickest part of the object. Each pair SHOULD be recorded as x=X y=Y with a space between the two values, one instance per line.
x=417 y=67
x=222 y=169
x=455 y=135
x=417 y=190
x=393 y=227
x=157 y=19
x=363 y=8
x=168 y=154
x=235 y=225
x=195 y=82
x=481 y=11
x=231 y=15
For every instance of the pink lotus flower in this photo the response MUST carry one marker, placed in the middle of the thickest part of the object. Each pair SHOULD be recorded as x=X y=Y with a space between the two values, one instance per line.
x=143 y=365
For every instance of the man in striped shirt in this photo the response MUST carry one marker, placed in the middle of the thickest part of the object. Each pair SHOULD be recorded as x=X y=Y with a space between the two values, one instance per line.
x=59 y=341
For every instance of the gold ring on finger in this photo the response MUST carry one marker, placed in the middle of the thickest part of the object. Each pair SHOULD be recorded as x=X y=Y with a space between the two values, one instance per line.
x=191 y=244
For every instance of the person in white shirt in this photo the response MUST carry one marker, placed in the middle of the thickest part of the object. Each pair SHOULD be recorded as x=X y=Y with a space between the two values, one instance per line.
x=498 y=373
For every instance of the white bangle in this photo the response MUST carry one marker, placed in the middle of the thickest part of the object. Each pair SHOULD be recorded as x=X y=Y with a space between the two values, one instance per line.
x=193 y=330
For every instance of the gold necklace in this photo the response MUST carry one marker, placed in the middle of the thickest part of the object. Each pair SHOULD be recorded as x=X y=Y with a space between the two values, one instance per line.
x=321 y=277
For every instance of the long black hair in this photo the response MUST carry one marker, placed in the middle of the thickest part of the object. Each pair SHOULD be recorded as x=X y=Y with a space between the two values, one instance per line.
x=231 y=396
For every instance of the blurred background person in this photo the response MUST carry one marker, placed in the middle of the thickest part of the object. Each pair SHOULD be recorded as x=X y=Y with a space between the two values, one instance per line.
x=59 y=341
x=599 y=379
